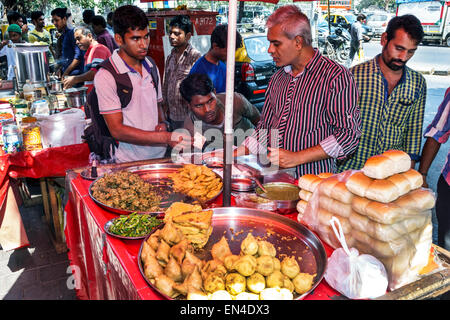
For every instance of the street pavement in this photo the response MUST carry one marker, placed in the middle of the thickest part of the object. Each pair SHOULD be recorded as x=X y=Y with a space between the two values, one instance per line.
x=37 y=272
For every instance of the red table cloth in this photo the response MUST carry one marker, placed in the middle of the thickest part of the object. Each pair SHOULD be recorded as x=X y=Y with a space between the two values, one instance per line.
x=105 y=267
x=49 y=162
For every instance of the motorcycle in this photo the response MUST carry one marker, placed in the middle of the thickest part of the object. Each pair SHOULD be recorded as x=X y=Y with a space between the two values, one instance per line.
x=335 y=46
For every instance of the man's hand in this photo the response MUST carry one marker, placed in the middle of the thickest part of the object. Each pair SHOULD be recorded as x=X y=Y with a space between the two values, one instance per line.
x=161 y=127
x=283 y=158
x=179 y=140
x=69 y=82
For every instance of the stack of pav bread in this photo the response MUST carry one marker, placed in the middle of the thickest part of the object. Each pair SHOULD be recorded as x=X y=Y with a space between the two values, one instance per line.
x=383 y=211
x=308 y=184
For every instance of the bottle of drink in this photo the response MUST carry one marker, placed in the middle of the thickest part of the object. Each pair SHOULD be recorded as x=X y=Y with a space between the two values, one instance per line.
x=28 y=91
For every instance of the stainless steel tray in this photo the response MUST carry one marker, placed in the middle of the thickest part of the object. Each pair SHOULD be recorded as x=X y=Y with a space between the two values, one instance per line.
x=156 y=174
x=288 y=236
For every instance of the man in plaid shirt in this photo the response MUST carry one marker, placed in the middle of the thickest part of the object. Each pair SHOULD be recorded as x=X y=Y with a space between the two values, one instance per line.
x=392 y=96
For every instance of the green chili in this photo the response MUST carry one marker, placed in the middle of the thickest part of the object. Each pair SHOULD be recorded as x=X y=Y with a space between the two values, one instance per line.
x=134 y=225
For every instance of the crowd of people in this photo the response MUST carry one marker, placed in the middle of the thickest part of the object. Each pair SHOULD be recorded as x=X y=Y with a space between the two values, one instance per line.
x=318 y=115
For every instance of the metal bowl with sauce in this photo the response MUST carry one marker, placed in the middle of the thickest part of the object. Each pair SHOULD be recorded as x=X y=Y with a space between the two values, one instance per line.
x=242 y=183
x=286 y=195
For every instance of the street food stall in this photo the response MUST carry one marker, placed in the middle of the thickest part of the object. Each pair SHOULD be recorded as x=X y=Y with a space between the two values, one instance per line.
x=108 y=264
x=40 y=137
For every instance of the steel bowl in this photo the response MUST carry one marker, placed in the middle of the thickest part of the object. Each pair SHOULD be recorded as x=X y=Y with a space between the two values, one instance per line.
x=289 y=237
x=242 y=183
x=213 y=162
x=156 y=174
x=284 y=206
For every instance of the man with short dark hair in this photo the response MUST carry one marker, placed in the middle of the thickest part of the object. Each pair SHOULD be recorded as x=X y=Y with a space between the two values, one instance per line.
x=39 y=34
x=358 y=37
x=207 y=111
x=213 y=62
x=178 y=63
x=392 y=96
x=71 y=60
x=140 y=126
x=98 y=24
x=15 y=17
x=109 y=25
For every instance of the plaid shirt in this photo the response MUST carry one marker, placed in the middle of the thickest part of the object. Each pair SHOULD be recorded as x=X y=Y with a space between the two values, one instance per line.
x=388 y=121
x=175 y=72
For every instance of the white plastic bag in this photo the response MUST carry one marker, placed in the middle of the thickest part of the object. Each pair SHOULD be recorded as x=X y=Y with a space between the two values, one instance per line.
x=62 y=129
x=353 y=275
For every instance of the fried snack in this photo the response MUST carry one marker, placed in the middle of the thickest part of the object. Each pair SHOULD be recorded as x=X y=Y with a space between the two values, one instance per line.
x=126 y=190
x=264 y=265
x=178 y=208
x=290 y=267
x=235 y=283
x=198 y=182
x=220 y=250
x=275 y=279
x=249 y=245
x=196 y=226
x=303 y=282
x=256 y=283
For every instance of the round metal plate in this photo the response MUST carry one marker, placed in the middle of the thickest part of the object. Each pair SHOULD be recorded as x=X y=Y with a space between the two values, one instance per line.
x=288 y=236
x=157 y=175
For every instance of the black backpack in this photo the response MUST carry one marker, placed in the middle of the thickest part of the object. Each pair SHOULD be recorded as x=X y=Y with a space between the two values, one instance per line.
x=97 y=135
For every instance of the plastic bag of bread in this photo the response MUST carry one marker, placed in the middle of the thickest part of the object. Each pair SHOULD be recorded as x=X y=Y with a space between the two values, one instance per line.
x=353 y=275
x=330 y=197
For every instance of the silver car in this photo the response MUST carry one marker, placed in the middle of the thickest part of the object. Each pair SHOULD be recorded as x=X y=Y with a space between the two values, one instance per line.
x=378 y=22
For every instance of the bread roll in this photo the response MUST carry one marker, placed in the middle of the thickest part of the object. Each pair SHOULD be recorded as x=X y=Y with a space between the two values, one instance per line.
x=301 y=206
x=335 y=207
x=401 y=182
x=417 y=200
x=401 y=159
x=327 y=186
x=341 y=193
x=359 y=204
x=386 y=213
x=383 y=249
x=379 y=167
x=383 y=191
x=305 y=195
x=414 y=177
x=324 y=218
x=387 y=232
x=325 y=175
x=358 y=183
x=327 y=235
x=309 y=182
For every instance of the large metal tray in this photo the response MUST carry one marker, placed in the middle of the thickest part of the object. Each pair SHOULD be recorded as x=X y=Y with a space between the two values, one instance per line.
x=157 y=175
x=288 y=236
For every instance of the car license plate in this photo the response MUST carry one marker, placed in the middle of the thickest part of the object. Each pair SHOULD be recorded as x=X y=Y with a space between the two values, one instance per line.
x=260 y=77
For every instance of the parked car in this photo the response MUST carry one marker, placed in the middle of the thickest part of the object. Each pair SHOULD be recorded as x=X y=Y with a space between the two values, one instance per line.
x=254 y=68
x=378 y=22
x=345 y=21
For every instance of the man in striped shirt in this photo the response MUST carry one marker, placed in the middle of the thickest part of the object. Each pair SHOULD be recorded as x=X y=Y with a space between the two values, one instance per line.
x=310 y=116
x=437 y=133
x=391 y=96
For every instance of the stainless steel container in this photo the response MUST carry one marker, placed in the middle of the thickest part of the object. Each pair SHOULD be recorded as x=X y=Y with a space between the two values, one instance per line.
x=31 y=63
x=284 y=194
x=76 y=97
x=55 y=86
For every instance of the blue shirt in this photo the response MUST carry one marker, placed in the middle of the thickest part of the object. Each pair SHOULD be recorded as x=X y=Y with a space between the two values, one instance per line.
x=71 y=51
x=439 y=130
x=216 y=72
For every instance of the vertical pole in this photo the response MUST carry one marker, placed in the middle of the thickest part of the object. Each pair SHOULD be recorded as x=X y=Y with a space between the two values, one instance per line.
x=229 y=93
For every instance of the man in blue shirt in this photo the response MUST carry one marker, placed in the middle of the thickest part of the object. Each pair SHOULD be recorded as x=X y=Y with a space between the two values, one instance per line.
x=72 y=58
x=213 y=62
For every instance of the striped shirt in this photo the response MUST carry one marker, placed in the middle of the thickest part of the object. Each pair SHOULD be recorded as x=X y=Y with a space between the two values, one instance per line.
x=175 y=71
x=439 y=130
x=388 y=121
x=316 y=107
